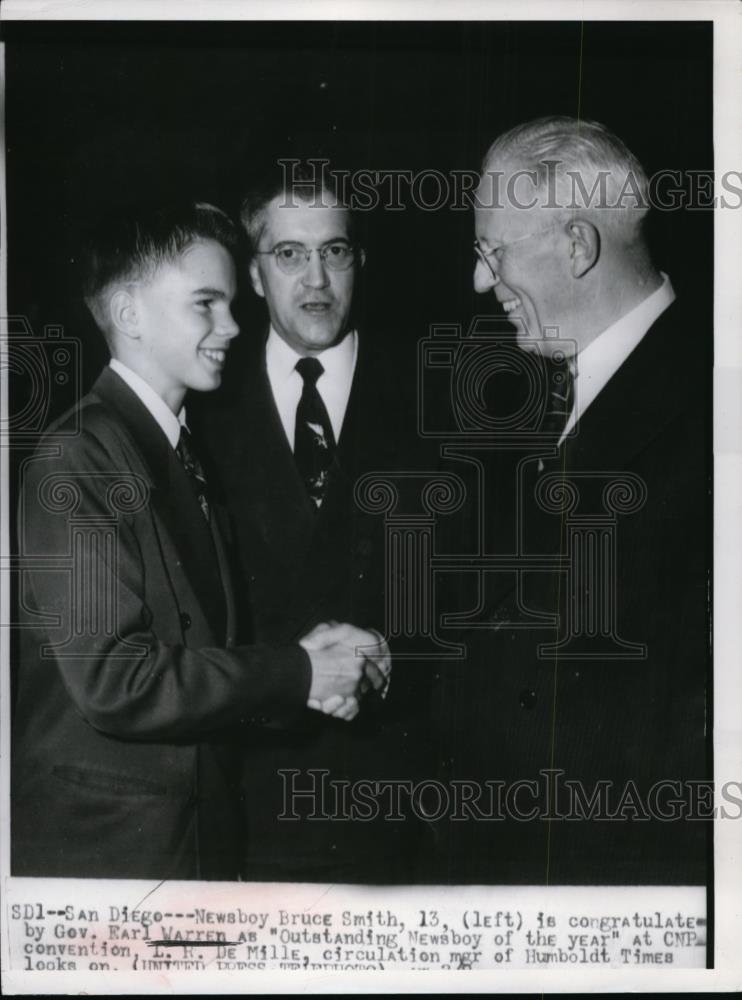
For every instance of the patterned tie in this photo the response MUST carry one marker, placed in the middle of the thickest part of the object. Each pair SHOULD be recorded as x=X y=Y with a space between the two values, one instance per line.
x=194 y=469
x=314 y=441
x=561 y=387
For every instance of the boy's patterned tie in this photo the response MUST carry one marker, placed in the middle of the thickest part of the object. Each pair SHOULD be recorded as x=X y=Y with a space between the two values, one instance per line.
x=194 y=469
x=314 y=441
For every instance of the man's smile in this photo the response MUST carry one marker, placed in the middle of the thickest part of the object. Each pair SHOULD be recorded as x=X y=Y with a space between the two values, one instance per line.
x=509 y=304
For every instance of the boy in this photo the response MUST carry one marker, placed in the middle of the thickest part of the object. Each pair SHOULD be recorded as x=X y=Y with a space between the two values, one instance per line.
x=127 y=687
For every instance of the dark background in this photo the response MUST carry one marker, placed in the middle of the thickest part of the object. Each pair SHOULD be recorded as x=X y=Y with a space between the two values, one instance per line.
x=100 y=115
x=103 y=114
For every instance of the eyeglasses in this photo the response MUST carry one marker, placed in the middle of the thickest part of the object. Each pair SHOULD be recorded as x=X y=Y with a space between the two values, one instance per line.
x=292 y=258
x=497 y=252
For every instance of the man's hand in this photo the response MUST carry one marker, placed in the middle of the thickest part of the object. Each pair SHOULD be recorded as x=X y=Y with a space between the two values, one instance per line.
x=339 y=673
x=337 y=707
x=378 y=669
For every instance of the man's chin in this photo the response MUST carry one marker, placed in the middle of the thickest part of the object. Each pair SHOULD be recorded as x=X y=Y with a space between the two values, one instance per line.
x=320 y=338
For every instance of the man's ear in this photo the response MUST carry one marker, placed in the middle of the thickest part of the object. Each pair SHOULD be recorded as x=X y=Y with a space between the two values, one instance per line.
x=123 y=312
x=257 y=281
x=584 y=246
x=362 y=257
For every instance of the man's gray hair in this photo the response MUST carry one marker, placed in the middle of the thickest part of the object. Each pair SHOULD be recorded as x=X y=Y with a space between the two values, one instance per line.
x=577 y=165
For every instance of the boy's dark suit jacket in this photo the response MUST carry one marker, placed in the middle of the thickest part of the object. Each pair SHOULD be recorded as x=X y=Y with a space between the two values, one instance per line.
x=510 y=714
x=301 y=568
x=119 y=764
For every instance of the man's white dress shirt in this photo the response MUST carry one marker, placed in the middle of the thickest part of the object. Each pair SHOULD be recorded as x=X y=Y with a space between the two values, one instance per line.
x=602 y=358
x=333 y=385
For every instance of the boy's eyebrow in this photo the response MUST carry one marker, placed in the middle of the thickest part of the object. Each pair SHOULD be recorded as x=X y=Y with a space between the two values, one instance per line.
x=215 y=293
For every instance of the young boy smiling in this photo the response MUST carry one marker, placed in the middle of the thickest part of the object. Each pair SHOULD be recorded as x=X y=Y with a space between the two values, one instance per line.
x=128 y=680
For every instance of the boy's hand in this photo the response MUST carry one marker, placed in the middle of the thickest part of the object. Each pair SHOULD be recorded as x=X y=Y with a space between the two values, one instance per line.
x=337 y=707
x=340 y=672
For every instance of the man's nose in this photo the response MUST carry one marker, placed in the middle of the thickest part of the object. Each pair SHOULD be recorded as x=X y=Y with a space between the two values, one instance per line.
x=485 y=278
x=315 y=273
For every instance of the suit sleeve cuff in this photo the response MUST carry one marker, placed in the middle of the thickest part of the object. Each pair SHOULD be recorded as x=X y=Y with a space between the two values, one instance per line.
x=291 y=670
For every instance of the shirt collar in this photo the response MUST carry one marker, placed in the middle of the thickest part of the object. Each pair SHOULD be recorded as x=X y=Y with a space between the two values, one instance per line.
x=155 y=404
x=601 y=359
x=338 y=361
x=619 y=339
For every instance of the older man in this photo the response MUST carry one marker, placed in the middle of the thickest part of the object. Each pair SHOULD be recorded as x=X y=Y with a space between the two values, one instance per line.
x=320 y=402
x=585 y=701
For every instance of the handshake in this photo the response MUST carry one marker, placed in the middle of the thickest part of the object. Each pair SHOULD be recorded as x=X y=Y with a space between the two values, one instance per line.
x=347 y=662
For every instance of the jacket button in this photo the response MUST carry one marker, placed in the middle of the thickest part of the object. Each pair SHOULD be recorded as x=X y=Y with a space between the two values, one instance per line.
x=527 y=699
x=185 y=620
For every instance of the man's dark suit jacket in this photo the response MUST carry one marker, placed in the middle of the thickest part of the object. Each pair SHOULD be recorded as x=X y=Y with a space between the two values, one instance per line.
x=125 y=689
x=302 y=567
x=509 y=714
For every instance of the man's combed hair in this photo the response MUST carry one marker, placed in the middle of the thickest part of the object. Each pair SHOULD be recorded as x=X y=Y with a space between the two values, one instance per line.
x=310 y=182
x=130 y=248
x=592 y=168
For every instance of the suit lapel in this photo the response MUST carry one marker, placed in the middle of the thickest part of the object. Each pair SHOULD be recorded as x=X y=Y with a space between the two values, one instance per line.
x=644 y=396
x=655 y=383
x=352 y=452
x=219 y=534
x=274 y=492
x=172 y=497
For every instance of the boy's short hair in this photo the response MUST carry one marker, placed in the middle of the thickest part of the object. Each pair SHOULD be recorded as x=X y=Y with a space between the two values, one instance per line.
x=131 y=247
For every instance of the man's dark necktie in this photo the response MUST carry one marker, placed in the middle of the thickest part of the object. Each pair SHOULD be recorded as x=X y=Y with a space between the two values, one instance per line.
x=314 y=441
x=561 y=389
x=194 y=469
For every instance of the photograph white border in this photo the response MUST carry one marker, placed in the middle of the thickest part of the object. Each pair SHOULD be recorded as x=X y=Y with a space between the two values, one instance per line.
x=727 y=974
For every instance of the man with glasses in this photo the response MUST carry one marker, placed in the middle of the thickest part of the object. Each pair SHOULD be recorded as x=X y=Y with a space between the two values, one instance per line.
x=318 y=404
x=593 y=673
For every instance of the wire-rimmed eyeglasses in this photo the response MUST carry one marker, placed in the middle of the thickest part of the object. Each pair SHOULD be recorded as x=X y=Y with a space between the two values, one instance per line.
x=292 y=258
x=486 y=256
